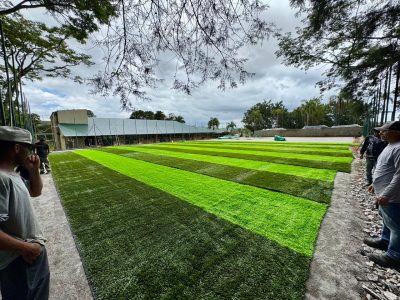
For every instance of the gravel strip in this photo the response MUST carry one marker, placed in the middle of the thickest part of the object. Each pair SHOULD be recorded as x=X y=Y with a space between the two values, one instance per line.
x=377 y=282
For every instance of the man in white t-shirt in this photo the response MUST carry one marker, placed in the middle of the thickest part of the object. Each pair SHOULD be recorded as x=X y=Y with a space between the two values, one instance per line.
x=24 y=270
x=386 y=186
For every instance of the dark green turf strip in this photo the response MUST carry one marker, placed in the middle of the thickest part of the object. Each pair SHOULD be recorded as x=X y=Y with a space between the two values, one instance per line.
x=138 y=242
x=320 y=191
x=324 y=152
x=339 y=166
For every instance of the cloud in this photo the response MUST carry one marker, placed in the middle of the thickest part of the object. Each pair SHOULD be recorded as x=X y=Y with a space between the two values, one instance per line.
x=272 y=81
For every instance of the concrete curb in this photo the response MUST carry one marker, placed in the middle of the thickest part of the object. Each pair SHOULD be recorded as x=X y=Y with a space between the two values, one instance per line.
x=336 y=263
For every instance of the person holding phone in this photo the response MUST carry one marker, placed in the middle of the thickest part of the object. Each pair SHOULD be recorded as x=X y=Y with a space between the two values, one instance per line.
x=24 y=270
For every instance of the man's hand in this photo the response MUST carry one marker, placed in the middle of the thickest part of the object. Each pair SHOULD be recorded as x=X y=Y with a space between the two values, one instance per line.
x=382 y=200
x=32 y=163
x=371 y=189
x=31 y=252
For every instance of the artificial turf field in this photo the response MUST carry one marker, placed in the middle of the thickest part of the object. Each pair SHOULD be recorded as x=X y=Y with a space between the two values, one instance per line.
x=198 y=220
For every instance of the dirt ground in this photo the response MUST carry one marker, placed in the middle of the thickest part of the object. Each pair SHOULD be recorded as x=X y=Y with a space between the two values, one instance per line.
x=334 y=268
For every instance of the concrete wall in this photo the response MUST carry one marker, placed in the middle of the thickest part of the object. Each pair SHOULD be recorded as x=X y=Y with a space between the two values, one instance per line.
x=73 y=116
x=327 y=132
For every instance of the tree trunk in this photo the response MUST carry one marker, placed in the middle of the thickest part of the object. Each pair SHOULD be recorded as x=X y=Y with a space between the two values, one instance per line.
x=384 y=99
x=388 y=93
x=396 y=92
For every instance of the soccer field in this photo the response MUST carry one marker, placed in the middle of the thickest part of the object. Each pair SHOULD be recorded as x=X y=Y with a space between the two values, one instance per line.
x=198 y=220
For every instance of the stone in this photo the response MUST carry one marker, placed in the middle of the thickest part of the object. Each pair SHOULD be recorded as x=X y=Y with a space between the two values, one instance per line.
x=390 y=295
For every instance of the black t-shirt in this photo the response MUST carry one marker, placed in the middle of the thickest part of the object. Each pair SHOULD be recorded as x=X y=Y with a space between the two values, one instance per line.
x=42 y=149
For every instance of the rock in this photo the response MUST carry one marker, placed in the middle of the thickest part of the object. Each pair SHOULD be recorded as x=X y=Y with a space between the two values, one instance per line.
x=390 y=296
x=372 y=277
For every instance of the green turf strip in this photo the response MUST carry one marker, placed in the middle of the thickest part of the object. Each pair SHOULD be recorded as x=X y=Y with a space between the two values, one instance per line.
x=312 y=189
x=312 y=173
x=300 y=150
x=339 y=146
x=291 y=221
x=138 y=242
x=327 y=162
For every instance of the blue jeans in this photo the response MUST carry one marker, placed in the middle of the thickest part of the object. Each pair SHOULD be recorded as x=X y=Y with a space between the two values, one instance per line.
x=391 y=228
x=20 y=280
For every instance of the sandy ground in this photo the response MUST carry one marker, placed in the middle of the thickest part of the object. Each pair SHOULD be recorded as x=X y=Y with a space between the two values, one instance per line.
x=68 y=279
x=333 y=271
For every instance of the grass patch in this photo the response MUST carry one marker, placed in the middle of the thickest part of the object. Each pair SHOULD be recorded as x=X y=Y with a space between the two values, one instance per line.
x=343 y=146
x=342 y=164
x=140 y=242
x=312 y=173
x=265 y=148
x=320 y=191
x=290 y=221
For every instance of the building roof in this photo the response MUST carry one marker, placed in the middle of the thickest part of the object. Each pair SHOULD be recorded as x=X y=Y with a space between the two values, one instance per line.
x=111 y=126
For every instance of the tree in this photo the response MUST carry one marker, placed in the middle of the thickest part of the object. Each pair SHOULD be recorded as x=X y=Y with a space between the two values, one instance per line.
x=267 y=114
x=159 y=115
x=314 y=111
x=179 y=119
x=253 y=120
x=357 y=40
x=203 y=36
x=141 y=114
x=33 y=50
x=231 y=126
x=213 y=123
x=78 y=17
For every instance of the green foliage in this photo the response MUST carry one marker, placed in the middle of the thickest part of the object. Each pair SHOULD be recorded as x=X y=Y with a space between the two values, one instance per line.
x=138 y=240
x=231 y=126
x=357 y=40
x=314 y=161
x=158 y=115
x=339 y=111
x=261 y=211
x=264 y=115
x=78 y=18
x=39 y=50
x=311 y=173
x=213 y=123
x=320 y=191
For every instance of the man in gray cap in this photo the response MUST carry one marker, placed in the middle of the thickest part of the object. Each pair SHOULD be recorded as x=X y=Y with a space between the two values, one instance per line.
x=24 y=271
x=386 y=186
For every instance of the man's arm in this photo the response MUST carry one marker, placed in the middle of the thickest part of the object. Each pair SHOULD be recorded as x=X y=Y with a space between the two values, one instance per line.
x=392 y=191
x=29 y=251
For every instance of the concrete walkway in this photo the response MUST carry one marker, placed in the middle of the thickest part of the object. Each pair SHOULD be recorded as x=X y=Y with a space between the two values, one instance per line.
x=68 y=279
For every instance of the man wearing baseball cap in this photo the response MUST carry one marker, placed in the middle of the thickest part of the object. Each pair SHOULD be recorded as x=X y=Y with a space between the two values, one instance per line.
x=386 y=186
x=24 y=271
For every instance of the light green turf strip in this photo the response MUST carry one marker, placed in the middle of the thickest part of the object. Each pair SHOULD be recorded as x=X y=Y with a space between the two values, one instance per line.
x=305 y=157
x=313 y=173
x=290 y=221
x=310 y=151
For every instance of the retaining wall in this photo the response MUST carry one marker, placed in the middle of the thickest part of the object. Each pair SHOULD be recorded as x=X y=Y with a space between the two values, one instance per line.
x=323 y=132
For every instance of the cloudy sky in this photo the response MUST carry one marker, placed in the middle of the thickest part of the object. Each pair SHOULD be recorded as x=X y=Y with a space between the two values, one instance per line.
x=273 y=81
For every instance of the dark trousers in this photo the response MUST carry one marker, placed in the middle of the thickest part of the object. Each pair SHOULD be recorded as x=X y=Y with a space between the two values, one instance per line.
x=20 y=280
x=371 y=162
x=44 y=163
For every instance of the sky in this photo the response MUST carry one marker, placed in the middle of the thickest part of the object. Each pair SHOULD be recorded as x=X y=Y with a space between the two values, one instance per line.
x=273 y=81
